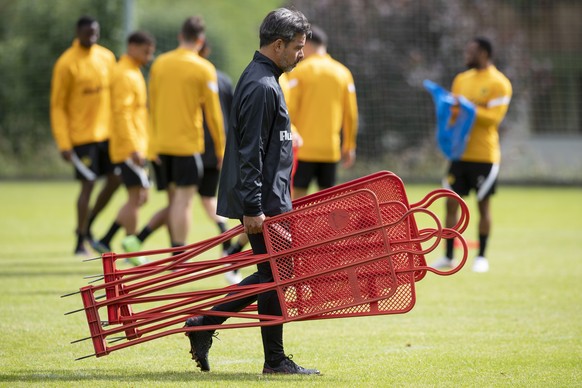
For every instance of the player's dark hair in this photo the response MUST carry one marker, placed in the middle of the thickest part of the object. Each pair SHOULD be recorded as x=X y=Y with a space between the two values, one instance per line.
x=141 y=37
x=85 y=21
x=318 y=36
x=192 y=28
x=484 y=44
x=282 y=24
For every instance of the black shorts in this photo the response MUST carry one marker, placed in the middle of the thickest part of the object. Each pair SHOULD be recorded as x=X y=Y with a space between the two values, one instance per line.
x=466 y=176
x=209 y=182
x=178 y=170
x=91 y=160
x=325 y=173
x=133 y=175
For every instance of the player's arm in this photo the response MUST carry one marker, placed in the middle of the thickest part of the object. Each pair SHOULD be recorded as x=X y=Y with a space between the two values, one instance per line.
x=494 y=111
x=152 y=152
x=123 y=98
x=213 y=115
x=60 y=92
x=292 y=93
x=350 y=124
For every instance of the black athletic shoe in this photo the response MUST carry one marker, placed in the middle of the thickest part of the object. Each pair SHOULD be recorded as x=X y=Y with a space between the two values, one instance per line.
x=81 y=251
x=287 y=366
x=100 y=246
x=200 y=343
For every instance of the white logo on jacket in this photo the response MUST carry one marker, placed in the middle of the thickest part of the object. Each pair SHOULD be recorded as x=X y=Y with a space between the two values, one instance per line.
x=285 y=135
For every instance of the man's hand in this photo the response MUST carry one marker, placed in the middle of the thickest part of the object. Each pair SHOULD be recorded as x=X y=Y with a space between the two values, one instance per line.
x=348 y=158
x=253 y=224
x=219 y=160
x=138 y=159
x=296 y=139
x=66 y=155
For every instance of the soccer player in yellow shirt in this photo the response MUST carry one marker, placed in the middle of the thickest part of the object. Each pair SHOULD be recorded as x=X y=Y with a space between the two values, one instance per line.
x=183 y=85
x=80 y=120
x=323 y=108
x=129 y=136
x=478 y=167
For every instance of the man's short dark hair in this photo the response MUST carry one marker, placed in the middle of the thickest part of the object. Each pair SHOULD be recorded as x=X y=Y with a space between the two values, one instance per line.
x=318 y=36
x=284 y=24
x=85 y=21
x=484 y=44
x=141 y=37
x=192 y=28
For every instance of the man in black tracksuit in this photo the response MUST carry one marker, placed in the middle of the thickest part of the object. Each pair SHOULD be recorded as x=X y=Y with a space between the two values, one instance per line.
x=256 y=174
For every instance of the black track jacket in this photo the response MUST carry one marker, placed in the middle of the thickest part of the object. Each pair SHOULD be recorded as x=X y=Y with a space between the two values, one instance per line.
x=256 y=172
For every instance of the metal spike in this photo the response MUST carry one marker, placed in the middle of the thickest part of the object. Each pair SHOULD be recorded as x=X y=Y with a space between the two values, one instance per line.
x=80 y=340
x=74 y=311
x=96 y=280
x=91 y=355
x=92 y=276
x=94 y=258
x=72 y=293
x=116 y=339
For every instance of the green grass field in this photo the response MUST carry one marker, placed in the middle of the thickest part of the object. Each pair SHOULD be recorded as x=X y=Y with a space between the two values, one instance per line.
x=518 y=325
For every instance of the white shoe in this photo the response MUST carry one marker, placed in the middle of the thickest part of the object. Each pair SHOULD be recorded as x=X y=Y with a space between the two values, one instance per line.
x=480 y=264
x=233 y=277
x=444 y=262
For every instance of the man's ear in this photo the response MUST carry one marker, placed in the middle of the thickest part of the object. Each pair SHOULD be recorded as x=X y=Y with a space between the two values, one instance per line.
x=279 y=45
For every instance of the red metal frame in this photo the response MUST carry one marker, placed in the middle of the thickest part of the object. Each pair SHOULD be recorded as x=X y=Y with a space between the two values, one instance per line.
x=352 y=250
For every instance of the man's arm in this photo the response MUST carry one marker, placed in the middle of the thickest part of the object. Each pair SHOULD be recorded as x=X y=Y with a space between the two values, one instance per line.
x=350 y=124
x=123 y=102
x=255 y=116
x=60 y=91
x=213 y=115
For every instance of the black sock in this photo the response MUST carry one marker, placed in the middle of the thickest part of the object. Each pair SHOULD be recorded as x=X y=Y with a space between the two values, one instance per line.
x=450 y=245
x=174 y=245
x=234 y=248
x=483 y=244
x=145 y=232
x=80 y=239
x=109 y=236
x=222 y=227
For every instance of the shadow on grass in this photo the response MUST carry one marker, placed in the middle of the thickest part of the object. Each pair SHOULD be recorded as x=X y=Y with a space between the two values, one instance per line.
x=126 y=376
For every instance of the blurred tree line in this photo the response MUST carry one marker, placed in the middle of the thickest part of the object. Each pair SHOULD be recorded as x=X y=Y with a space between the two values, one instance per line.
x=34 y=33
x=390 y=46
x=32 y=36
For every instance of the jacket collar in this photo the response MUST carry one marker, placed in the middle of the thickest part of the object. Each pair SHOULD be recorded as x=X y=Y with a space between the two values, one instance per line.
x=265 y=60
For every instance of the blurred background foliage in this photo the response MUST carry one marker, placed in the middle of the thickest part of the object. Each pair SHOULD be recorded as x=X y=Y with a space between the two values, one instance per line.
x=390 y=46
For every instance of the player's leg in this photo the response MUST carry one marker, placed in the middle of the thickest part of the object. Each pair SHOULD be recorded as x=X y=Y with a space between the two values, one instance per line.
x=485 y=184
x=83 y=215
x=112 y=183
x=160 y=218
x=186 y=175
x=326 y=174
x=85 y=165
x=303 y=176
x=207 y=190
x=456 y=181
x=268 y=303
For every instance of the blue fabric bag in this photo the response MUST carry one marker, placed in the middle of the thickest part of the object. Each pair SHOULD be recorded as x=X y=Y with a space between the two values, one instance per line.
x=451 y=137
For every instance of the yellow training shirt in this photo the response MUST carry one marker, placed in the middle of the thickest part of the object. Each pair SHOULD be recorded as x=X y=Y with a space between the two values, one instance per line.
x=129 y=106
x=182 y=84
x=322 y=105
x=491 y=92
x=80 y=101
x=284 y=84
